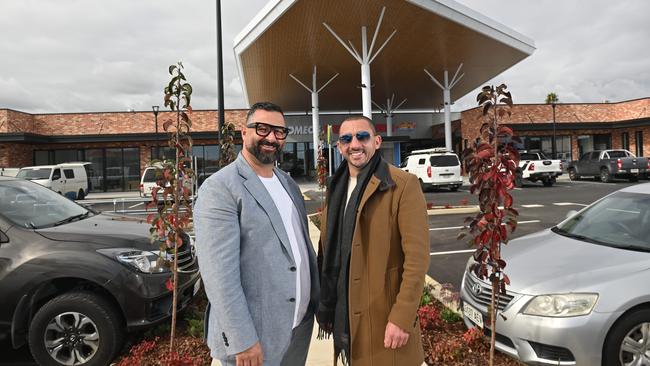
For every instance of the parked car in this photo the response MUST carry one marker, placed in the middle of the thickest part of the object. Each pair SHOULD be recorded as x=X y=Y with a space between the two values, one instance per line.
x=579 y=291
x=608 y=164
x=68 y=179
x=434 y=168
x=148 y=181
x=73 y=281
x=535 y=166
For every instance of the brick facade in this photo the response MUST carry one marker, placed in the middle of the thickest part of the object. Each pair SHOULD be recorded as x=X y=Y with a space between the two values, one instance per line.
x=541 y=115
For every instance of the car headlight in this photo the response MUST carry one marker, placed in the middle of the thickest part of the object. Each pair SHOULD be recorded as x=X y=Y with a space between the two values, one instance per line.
x=561 y=305
x=141 y=260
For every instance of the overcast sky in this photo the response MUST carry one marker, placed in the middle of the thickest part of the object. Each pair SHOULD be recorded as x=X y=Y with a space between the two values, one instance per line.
x=98 y=55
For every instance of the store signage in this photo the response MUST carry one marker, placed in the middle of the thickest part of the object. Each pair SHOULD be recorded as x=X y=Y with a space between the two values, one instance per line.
x=301 y=130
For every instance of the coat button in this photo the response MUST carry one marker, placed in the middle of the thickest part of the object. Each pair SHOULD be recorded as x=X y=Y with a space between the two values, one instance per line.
x=292 y=300
x=292 y=269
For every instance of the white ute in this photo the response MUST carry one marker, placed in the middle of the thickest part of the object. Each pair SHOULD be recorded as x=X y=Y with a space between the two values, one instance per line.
x=434 y=168
x=537 y=167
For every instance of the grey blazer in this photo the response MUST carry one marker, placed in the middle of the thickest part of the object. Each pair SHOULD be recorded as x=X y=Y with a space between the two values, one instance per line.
x=246 y=263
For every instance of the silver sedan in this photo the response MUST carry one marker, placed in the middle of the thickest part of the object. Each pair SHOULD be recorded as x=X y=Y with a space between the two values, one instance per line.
x=580 y=291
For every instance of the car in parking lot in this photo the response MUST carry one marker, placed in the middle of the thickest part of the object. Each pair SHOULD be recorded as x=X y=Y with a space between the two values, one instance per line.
x=579 y=292
x=73 y=281
x=435 y=168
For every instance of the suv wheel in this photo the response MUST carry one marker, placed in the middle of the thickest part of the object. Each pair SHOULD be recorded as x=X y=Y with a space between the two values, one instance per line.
x=519 y=180
x=628 y=343
x=548 y=182
x=605 y=176
x=573 y=175
x=80 y=194
x=77 y=328
x=423 y=186
x=453 y=188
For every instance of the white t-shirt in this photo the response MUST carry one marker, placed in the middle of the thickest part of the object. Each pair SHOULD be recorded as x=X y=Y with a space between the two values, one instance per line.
x=293 y=226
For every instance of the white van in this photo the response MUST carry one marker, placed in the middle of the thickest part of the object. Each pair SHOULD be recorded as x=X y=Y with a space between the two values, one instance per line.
x=148 y=180
x=8 y=172
x=435 y=167
x=68 y=179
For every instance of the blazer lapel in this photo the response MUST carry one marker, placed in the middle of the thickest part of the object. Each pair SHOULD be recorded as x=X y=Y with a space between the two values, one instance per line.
x=256 y=188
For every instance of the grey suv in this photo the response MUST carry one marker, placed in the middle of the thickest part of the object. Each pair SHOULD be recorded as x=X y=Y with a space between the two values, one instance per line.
x=73 y=281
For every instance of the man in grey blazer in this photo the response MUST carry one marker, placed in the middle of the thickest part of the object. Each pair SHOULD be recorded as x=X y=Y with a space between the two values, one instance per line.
x=256 y=259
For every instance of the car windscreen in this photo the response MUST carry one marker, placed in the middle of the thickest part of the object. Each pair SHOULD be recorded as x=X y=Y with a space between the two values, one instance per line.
x=444 y=160
x=151 y=175
x=33 y=206
x=31 y=174
x=528 y=156
x=619 y=220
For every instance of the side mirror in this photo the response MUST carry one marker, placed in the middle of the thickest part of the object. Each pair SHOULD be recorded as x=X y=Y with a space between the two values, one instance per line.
x=571 y=213
x=3 y=238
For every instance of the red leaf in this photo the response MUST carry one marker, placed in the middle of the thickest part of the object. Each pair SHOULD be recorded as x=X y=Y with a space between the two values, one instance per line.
x=506 y=279
x=507 y=200
x=169 y=284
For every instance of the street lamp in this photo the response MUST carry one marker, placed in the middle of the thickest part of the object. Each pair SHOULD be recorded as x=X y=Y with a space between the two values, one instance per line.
x=553 y=147
x=155 y=109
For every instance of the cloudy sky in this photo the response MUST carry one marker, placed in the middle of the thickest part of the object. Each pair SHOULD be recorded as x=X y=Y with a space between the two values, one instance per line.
x=97 y=55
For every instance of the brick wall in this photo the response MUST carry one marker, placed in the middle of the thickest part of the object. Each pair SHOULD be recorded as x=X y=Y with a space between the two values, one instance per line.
x=13 y=121
x=571 y=113
x=15 y=155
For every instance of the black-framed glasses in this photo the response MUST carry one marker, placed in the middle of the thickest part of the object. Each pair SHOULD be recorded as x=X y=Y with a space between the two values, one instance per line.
x=362 y=136
x=264 y=129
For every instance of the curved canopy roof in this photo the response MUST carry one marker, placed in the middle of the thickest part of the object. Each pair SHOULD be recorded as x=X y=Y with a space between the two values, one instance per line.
x=288 y=37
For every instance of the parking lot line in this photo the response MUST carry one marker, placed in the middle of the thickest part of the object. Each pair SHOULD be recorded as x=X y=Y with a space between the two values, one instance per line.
x=460 y=227
x=569 y=204
x=532 y=206
x=136 y=205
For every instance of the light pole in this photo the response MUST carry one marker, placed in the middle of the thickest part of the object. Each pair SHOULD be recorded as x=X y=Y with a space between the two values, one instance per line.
x=155 y=109
x=553 y=147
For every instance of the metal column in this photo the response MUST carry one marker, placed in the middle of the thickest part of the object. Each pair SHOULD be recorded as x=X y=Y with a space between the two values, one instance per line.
x=365 y=59
x=388 y=110
x=314 y=90
x=446 y=94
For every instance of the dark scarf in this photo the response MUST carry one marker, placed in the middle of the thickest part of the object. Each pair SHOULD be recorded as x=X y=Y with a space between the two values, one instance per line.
x=333 y=308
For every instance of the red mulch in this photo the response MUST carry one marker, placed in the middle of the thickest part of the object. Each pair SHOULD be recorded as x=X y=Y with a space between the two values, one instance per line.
x=445 y=344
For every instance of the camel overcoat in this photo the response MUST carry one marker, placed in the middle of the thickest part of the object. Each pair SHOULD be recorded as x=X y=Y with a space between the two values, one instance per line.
x=388 y=262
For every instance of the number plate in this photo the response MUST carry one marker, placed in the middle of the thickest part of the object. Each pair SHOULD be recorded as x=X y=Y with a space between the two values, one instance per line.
x=197 y=287
x=473 y=314
x=634 y=170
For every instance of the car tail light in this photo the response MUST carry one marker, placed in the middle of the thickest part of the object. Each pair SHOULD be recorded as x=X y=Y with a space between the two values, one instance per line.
x=429 y=171
x=561 y=166
x=531 y=166
x=619 y=164
x=648 y=163
x=142 y=188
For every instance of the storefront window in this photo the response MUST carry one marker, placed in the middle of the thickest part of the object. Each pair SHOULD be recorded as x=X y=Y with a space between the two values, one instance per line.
x=638 y=137
x=67 y=156
x=131 y=165
x=96 y=170
x=42 y=157
x=625 y=141
x=114 y=171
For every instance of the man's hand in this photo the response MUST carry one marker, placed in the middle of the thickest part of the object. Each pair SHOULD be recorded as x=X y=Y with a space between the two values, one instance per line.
x=395 y=337
x=251 y=357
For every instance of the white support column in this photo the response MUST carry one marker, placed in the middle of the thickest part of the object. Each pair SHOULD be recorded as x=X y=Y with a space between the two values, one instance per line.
x=365 y=59
x=388 y=110
x=314 y=91
x=446 y=96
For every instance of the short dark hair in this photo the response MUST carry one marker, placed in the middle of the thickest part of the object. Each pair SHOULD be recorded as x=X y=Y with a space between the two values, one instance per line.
x=267 y=106
x=360 y=117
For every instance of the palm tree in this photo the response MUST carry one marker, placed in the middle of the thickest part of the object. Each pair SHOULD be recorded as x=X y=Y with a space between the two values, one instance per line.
x=551 y=98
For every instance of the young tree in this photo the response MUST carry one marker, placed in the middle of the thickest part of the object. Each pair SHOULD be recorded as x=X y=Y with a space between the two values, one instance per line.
x=174 y=211
x=227 y=147
x=492 y=165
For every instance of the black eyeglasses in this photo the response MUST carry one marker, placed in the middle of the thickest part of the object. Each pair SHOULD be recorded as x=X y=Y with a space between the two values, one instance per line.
x=263 y=130
x=362 y=136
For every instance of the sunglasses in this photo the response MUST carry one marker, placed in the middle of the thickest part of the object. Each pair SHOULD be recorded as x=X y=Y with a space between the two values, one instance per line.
x=362 y=136
x=263 y=130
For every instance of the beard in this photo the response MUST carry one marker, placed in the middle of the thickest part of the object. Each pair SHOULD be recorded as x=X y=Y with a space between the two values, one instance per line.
x=265 y=157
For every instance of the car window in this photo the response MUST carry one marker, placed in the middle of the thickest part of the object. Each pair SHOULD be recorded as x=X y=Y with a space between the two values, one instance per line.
x=527 y=156
x=421 y=161
x=595 y=155
x=404 y=162
x=33 y=206
x=150 y=175
x=585 y=156
x=34 y=173
x=56 y=174
x=615 y=154
x=444 y=160
x=69 y=173
x=620 y=219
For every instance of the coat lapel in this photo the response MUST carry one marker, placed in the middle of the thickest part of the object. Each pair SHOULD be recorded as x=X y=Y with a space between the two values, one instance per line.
x=256 y=188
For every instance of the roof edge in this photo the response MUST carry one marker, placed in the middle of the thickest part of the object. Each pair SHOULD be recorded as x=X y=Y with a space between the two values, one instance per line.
x=472 y=19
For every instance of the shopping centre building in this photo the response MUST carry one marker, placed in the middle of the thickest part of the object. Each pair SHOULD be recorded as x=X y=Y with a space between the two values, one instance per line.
x=121 y=144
